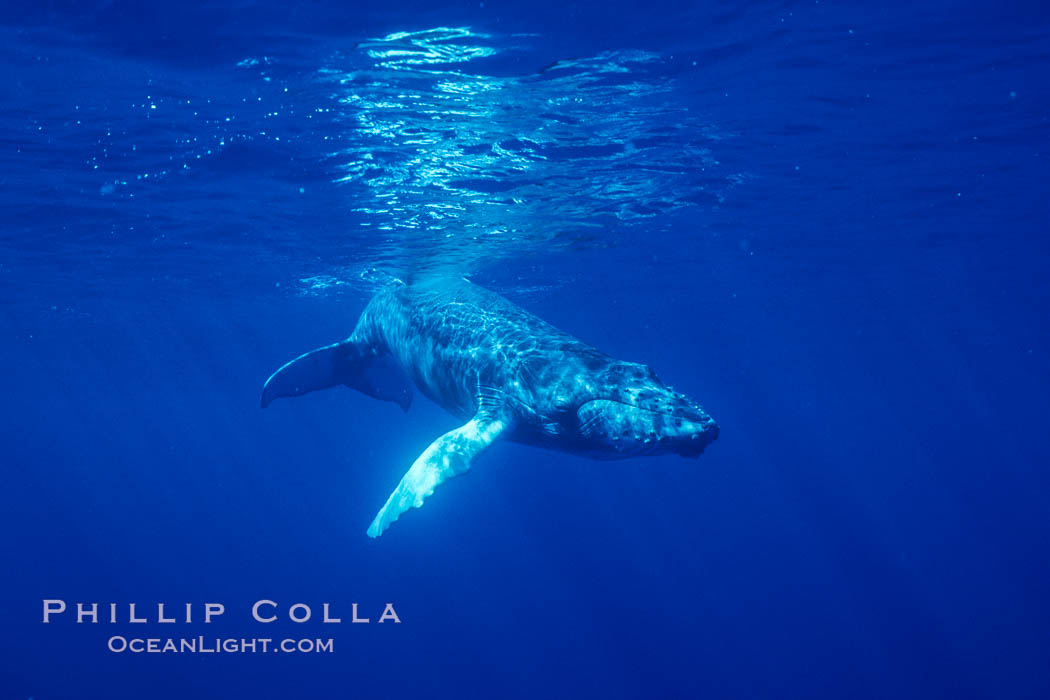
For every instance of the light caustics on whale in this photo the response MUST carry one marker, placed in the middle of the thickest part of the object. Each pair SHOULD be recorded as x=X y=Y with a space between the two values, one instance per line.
x=503 y=371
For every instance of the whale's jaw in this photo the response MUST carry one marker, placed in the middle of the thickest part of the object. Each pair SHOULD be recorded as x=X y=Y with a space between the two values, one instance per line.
x=628 y=430
x=627 y=411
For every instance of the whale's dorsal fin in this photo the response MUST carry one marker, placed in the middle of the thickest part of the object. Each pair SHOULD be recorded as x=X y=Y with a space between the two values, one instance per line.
x=448 y=456
x=352 y=363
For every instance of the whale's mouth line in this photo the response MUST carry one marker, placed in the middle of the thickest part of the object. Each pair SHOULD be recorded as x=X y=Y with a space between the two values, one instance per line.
x=634 y=407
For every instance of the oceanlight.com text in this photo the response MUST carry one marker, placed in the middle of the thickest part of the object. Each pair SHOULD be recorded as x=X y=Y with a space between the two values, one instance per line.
x=217 y=645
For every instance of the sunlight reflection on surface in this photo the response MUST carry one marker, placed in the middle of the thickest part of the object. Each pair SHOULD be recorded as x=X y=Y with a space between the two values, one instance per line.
x=463 y=165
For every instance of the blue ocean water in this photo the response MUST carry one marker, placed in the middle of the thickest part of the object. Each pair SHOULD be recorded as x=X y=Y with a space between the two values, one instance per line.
x=828 y=223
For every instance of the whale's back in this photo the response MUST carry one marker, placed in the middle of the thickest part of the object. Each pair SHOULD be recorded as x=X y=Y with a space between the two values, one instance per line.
x=458 y=340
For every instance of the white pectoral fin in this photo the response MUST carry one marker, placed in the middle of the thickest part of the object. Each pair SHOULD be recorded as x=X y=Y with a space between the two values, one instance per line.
x=448 y=456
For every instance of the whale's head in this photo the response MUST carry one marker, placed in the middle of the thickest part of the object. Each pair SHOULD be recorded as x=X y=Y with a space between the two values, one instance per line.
x=630 y=412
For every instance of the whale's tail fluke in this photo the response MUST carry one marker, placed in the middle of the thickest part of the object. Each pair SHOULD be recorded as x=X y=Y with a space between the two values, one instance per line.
x=348 y=363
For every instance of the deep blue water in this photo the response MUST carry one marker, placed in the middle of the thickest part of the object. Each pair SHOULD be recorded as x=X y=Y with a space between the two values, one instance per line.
x=829 y=224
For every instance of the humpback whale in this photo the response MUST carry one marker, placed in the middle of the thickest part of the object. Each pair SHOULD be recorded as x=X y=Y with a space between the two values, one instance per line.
x=504 y=372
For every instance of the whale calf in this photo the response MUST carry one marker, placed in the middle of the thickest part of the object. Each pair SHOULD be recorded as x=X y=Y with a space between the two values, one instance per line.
x=502 y=370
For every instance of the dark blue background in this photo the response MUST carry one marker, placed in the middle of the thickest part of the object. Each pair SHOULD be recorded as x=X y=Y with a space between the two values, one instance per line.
x=862 y=304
